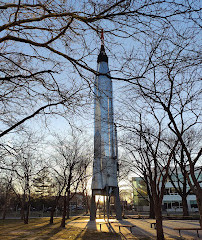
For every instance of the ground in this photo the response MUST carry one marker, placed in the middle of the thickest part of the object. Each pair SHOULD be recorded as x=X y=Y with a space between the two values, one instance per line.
x=80 y=228
x=40 y=229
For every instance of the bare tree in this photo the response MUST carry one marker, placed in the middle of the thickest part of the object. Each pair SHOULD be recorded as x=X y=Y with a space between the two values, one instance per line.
x=171 y=82
x=151 y=150
x=40 y=39
x=21 y=162
x=178 y=172
x=58 y=186
x=137 y=166
x=6 y=190
x=86 y=176
x=72 y=160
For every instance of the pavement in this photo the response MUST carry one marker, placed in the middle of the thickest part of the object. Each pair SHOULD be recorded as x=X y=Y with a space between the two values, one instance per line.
x=142 y=229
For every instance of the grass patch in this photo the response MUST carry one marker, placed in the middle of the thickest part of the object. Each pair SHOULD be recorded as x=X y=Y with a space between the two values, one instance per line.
x=40 y=229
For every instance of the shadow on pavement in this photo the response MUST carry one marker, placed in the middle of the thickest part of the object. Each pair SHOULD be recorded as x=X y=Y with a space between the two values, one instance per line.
x=138 y=231
x=92 y=231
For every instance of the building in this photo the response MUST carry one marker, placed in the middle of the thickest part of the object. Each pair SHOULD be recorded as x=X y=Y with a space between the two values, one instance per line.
x=140 y=196
x=172 y=201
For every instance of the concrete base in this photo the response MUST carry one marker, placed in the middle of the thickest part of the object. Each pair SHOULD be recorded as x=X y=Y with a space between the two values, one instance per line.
x=117 y=204
x=93 y=208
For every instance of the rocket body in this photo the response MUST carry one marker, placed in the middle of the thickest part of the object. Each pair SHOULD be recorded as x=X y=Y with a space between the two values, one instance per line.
x=105 y=155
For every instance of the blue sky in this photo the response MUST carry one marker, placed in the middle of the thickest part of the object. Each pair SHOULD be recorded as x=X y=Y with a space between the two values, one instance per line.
x=118 y=49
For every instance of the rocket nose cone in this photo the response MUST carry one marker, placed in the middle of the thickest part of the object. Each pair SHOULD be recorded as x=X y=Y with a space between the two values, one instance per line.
x=102 y=57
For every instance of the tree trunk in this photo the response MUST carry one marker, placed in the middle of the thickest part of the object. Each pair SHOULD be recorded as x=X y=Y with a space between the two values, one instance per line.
x=5 y=205
x=68 y=197
x=196 y=189
x=22 y=211
x=64 y=212
x=4 y=213
x=68 y=191
x=87 y=204
x=159 y=224
x=151 y=209
x=199 y=202
x=151 y=200
x=52 y=214
x=84 y=201
x=85 y=197
x=185 y=206
x=158 y=212
x=26 y=219
x=4 y=210
x=54 y=208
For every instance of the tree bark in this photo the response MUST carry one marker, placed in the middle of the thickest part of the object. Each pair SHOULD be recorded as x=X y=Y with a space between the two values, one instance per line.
x=5 y=205
x=4 y=213
x=68 y=191
x=52 y=214
x=199 y=202
x=158 y=212
x=5 y=210
x=68 y=200
x=26 y=219
x=196 y=188
x=85 y=200
x=159 y=224
x=185 y=206
x=151 y=209
x=87 y=204
x=22 y=211
x=151 y=200
x=64 y=212
x=55 y=204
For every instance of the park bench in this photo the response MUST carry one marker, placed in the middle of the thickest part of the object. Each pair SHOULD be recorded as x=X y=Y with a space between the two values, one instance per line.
x=153 y=224
x=126 y=226
x=190 y=229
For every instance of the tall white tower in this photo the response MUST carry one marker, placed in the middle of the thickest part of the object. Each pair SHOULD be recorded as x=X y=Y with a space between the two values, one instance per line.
x=105 y=163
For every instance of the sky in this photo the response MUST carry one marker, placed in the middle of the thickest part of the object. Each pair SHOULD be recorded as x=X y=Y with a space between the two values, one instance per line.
x=117 y=49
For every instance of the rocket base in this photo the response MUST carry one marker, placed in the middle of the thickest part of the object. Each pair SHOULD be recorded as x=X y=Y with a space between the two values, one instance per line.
x=105 y=192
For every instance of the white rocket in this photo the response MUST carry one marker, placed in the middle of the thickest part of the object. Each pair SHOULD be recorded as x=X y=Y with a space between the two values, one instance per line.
x=105 y=149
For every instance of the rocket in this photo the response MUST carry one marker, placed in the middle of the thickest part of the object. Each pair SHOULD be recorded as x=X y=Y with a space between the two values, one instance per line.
x=105 y=140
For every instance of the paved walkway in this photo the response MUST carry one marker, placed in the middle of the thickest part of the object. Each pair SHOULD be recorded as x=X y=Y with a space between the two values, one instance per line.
x=142 y=228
